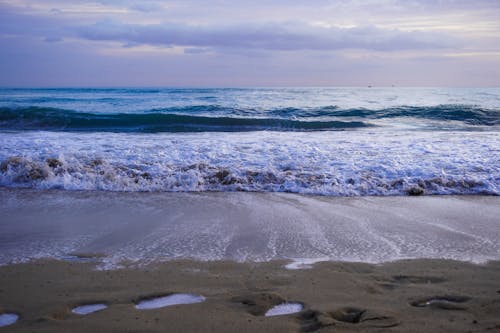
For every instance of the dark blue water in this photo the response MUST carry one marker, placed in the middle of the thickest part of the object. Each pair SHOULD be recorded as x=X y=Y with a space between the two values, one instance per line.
x=233 y=110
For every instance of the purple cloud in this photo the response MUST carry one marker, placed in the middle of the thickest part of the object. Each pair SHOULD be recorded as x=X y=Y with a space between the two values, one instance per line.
x=271 y=36
x=282 y=42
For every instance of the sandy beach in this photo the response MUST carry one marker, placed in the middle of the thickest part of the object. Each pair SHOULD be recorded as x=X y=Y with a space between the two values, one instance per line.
x=404 y=296
x=424 y=264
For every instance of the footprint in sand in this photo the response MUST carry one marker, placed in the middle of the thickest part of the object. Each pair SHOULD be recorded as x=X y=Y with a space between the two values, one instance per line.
x=284 y=309
x=89 y=308
x=268 y=304
x=7 y=319
x=401 y=280
x=348 y=314
x=315 y=320
x=418 y=279
x=442 y=302
x=168 y=300
x=362 y=316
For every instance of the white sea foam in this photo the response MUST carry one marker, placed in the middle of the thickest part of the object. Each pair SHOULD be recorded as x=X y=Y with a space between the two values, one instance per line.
x=174 y=299
x=352 y=163
x=89 y=308
x=284 y=309
x=7 y=319
x=304 y=263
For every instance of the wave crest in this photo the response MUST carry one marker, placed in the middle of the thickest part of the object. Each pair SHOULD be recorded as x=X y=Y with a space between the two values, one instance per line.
x=216 y=118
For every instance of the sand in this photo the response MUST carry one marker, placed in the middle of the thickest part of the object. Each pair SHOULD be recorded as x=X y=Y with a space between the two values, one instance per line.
x=118 y=249
x=403 y=296
x=147 y=227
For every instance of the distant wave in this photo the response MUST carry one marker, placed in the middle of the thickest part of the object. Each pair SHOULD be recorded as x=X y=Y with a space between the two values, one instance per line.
x=465 y=113
x=37 y=118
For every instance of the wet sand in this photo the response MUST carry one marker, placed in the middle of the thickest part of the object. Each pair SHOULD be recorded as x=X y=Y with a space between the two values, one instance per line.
x=151 y=227
x=403 y=296
x=117 y=249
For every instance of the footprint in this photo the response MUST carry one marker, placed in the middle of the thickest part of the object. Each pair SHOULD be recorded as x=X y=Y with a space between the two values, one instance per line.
x=442 y=302
x=315 y=320
x=284 y=309
x=7 y=319
x=417 y=279
x=376 y=320
x=398 y=280
x=259 y=304
x=348 y=314
x=168 y=300
x=89 y=308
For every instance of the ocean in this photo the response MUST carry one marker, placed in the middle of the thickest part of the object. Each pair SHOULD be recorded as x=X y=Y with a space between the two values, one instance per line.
x=75 y=166
x=324 y=141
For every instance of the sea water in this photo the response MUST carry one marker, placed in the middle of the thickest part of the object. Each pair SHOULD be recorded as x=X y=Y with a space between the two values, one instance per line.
x=327 y=141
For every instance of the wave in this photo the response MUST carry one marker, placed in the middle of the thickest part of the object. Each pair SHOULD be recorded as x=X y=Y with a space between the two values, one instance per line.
x=464 y=113
x=217 y=118
x=104 y=175
x=37 y=118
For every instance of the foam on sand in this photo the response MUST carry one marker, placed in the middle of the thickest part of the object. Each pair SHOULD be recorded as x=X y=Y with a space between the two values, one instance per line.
x=7 y=319
x=173 y=299
x=304 y=263
x=284 y=309
x=89 y=308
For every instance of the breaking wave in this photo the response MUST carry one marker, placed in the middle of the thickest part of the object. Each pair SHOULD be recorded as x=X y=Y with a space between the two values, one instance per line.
x=100 y=174
x=215 y=118
x=36 y=118
x=464 y=113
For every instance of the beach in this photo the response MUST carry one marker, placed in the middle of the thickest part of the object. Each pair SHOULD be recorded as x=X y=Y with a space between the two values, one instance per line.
x=238 y=295
x=345 y=271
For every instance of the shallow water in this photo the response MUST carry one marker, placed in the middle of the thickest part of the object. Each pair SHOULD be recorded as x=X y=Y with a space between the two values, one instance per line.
x=89 y=308
x=141 y=228
x=284 y=309
x=164 y=301
x=7 y=319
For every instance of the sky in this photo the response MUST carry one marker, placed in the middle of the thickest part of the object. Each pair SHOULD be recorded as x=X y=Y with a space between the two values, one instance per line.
x=234 y=43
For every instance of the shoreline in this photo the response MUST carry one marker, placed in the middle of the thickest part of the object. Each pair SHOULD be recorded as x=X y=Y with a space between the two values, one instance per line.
x=262 y=192
x=256 y=227
x=387 y=297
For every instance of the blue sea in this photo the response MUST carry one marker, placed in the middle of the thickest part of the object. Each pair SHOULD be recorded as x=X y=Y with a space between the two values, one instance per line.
x=326 y=141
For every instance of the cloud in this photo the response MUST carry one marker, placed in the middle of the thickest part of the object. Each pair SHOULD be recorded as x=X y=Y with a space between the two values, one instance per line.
x=141 y=6
x=232 y=43
x=167 y=24
x=196 y=50
x=285 y=36
x=53 y=39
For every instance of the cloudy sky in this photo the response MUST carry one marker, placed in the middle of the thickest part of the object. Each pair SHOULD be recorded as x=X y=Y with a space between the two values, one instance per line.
x=249 y=43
